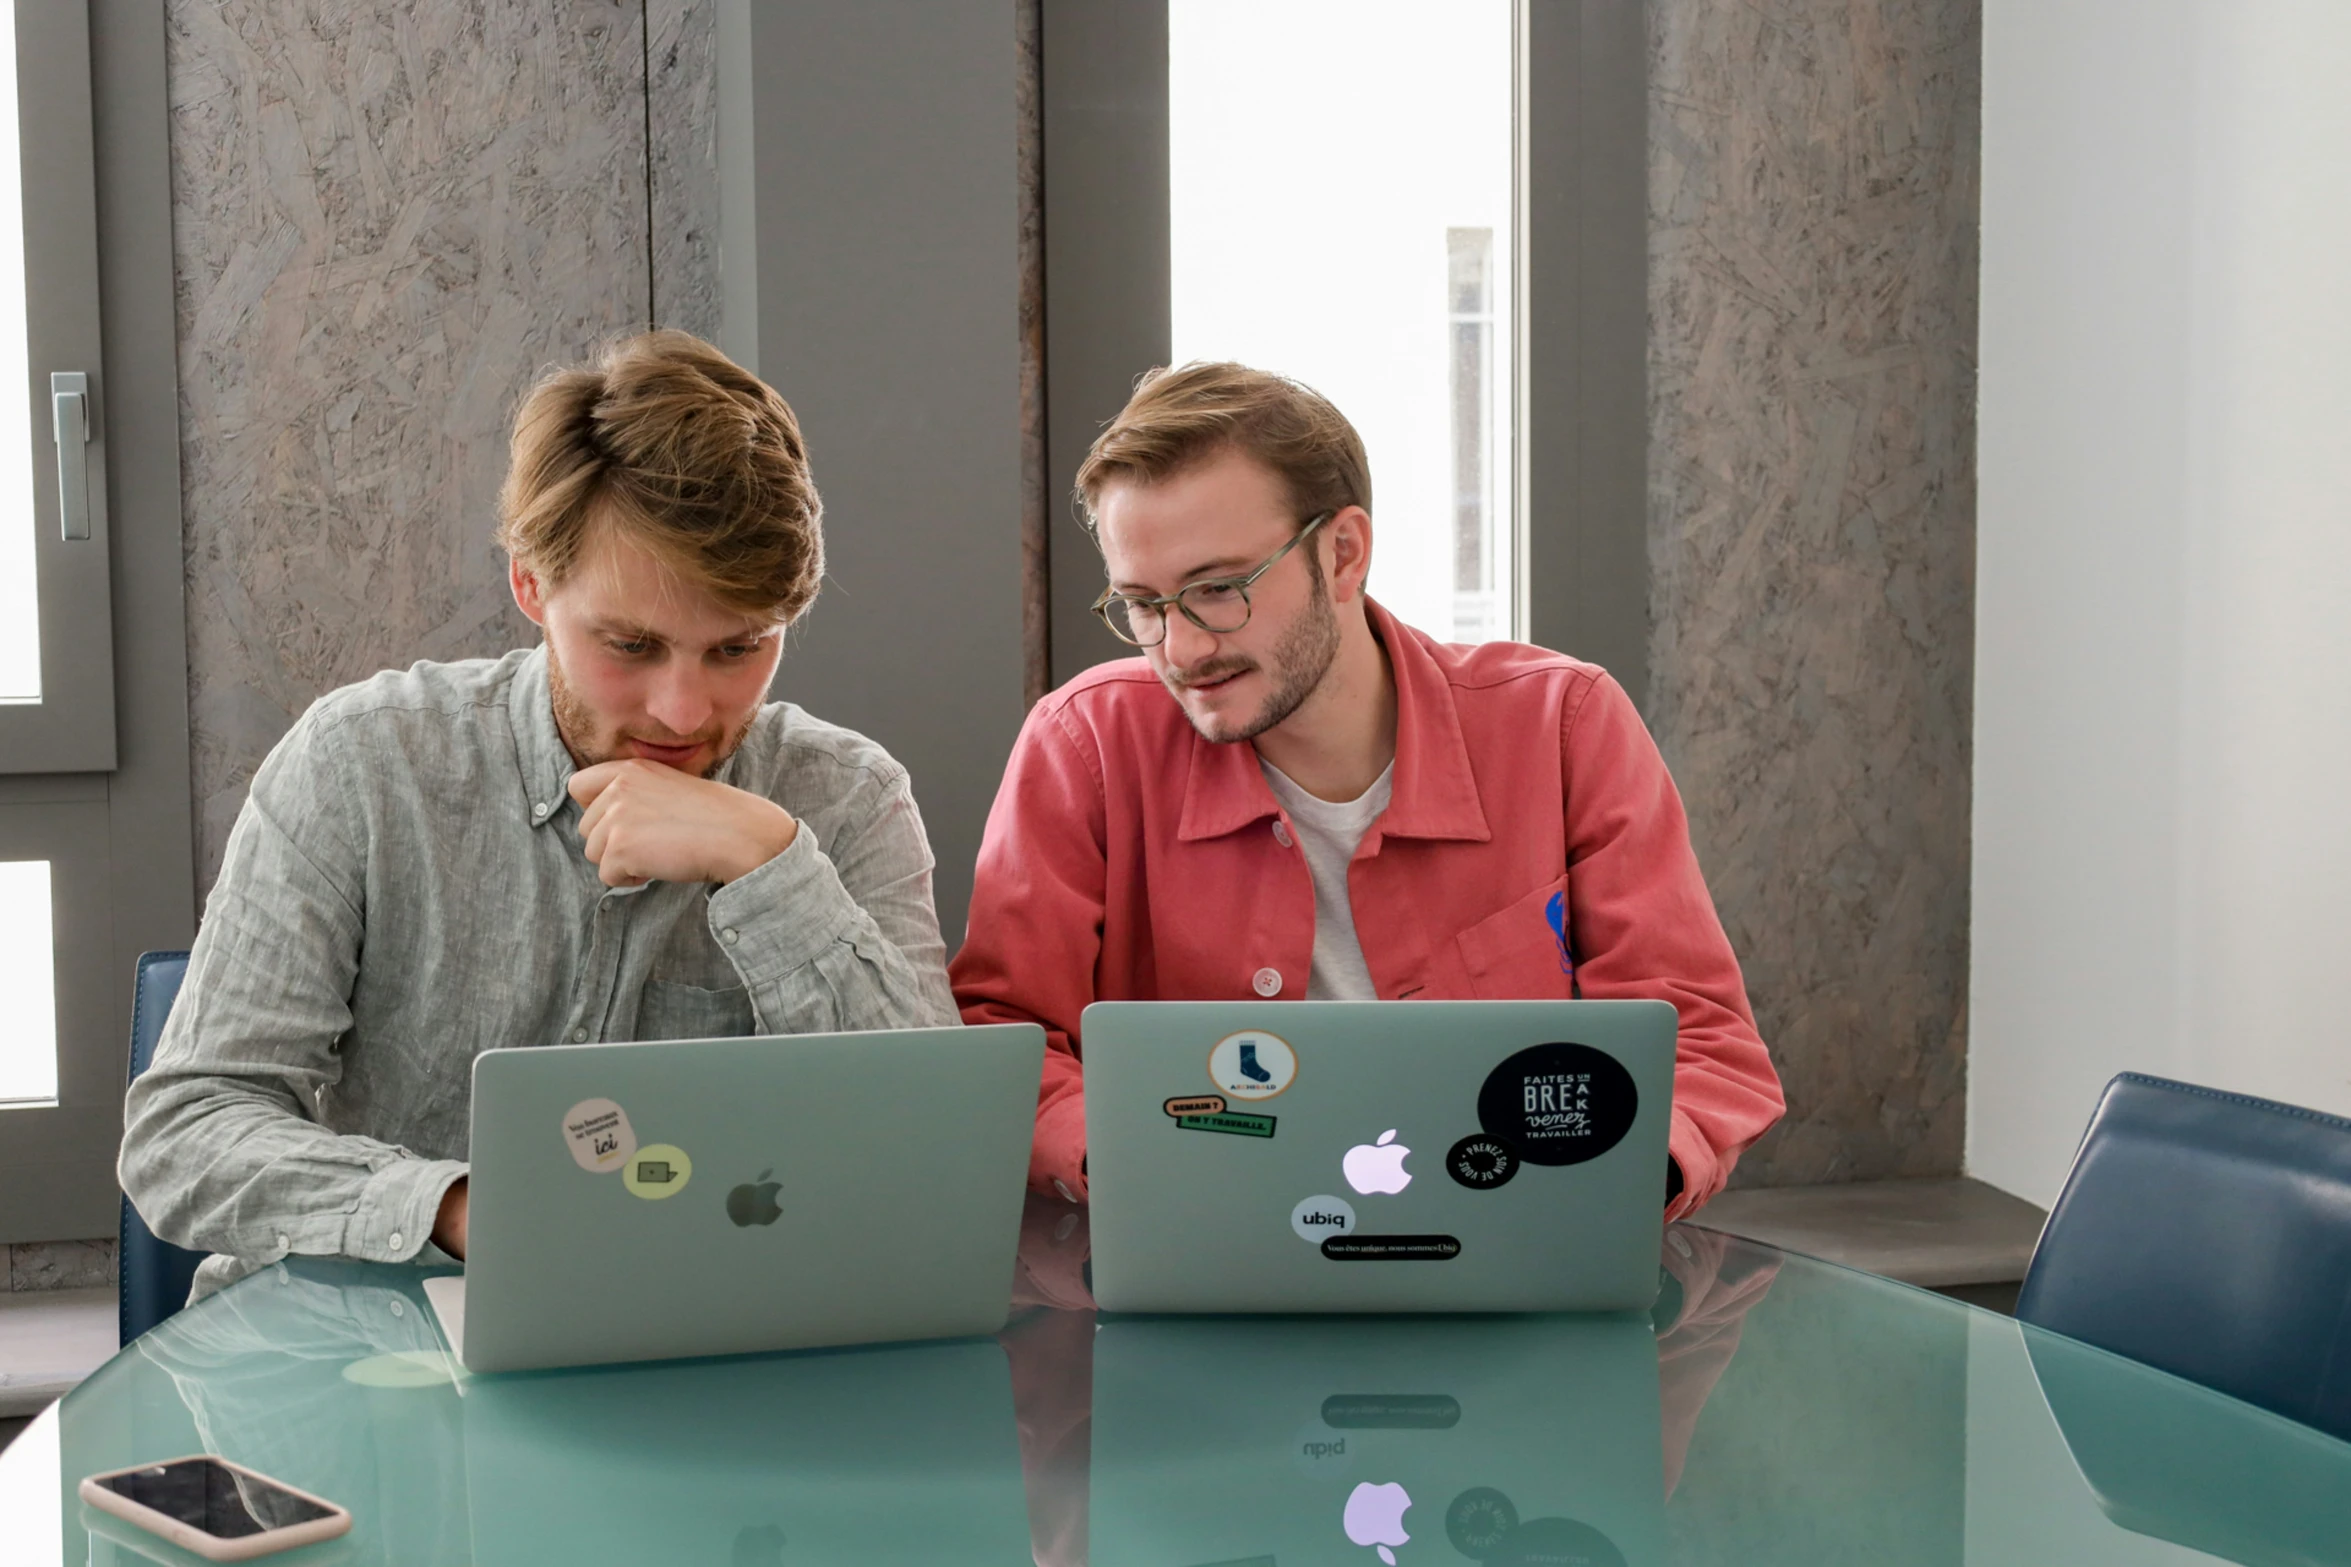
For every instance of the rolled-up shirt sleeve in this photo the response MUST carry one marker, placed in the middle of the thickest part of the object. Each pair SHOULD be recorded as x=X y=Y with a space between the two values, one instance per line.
x=843 y=936
x=221 y=1149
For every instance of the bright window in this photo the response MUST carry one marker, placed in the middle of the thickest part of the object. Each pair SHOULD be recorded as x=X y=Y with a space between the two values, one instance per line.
x=20 y=609
x=28 y=985
x=1342 y=210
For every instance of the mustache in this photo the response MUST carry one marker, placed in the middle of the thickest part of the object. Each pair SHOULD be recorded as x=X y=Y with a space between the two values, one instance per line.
x=1207 y=674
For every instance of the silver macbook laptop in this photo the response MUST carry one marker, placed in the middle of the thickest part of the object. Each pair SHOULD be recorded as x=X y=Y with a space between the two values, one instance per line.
x=1516 y=1441
x=1377 y=1155
x=730 y=1196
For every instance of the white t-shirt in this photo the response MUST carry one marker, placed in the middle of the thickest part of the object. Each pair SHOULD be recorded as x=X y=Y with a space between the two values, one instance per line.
x=1328 y=833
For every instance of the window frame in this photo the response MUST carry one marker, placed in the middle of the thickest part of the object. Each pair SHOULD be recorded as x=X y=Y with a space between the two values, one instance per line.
x=72 y=727
x=121 y=842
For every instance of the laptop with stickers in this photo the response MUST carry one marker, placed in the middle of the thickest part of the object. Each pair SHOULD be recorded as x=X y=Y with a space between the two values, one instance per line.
x=1377 y=1155
x=731 y=1196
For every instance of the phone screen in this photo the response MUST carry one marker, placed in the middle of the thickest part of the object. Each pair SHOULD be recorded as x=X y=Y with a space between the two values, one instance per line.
x=206 y=1494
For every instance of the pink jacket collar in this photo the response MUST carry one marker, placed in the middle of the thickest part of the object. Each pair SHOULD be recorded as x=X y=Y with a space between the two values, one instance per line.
x=1434 y=793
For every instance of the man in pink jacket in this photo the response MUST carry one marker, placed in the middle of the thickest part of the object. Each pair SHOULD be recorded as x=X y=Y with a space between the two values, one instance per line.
x=1294 y=794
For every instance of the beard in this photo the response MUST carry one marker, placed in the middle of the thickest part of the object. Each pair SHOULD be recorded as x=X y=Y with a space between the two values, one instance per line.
x=578 y=725
x=1301 y=657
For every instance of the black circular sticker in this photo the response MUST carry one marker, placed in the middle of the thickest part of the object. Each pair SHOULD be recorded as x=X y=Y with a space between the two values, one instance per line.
x=1482 y=1162
x=1559 y=1103
x=1545 y=1542
x=1479 y=1521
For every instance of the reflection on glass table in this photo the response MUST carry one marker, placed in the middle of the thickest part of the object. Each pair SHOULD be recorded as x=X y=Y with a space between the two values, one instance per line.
x=1773 y=1409
x=2193 y=1468
x=1507 y=1440
x=325 y=1376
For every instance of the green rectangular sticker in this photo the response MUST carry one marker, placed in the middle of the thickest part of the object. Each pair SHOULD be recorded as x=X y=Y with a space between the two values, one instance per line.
x=1229 y=1121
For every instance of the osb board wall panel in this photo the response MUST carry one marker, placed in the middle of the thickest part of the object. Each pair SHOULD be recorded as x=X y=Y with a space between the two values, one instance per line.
x=681 y=113
x=387 y=219
x=1812 y=378
x=1036 y=601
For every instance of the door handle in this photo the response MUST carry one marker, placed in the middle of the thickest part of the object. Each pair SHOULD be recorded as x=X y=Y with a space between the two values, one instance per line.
x=69 y=411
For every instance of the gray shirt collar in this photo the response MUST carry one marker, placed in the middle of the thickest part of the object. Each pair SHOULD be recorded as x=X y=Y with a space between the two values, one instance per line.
x=539 y=750
x=544 y=760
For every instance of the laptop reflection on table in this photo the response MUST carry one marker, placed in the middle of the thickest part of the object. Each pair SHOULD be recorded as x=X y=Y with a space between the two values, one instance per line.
x=874 y=1456
x=1507 y=1441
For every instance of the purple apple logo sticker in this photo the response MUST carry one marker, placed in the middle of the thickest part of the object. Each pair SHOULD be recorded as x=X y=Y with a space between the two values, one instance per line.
x=754 y=1202
x=1375 y=1516
x=1377 y=1167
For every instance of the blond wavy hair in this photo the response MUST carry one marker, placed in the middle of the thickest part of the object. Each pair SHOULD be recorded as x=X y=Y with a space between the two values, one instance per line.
x=1187 y=415
x=690 y=456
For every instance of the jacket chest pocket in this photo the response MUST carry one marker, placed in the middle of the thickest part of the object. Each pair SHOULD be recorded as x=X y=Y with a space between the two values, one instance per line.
x=1522 y=951
x=668 y=1010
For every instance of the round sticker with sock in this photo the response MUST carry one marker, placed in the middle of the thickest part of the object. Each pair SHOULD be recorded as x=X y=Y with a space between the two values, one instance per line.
x=1252 y=1064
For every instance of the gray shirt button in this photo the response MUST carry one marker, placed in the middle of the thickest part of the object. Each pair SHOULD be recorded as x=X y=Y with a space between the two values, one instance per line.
x=395 y=1247
x=540 y=809
x=730 y=935
x=579 y=1036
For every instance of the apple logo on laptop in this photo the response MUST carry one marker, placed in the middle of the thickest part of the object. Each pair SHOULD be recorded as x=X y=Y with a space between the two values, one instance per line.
x=754 y=1202
x=1375 y=1516
x=1377 y=1167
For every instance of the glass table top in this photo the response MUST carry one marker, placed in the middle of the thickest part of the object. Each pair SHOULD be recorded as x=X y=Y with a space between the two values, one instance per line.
x=1771 y=1409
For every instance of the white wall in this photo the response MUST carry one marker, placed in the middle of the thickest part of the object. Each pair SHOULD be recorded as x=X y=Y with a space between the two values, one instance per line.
x=2162 y=875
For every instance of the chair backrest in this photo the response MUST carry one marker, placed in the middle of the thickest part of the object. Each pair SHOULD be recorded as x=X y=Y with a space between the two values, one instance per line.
x=2208 y=1234
x=154 y=1275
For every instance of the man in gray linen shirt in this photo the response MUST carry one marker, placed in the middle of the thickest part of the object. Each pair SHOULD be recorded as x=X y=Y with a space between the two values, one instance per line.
x=611 y=836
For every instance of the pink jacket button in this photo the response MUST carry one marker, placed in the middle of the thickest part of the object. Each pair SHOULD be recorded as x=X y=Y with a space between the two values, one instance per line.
x=1281 y=834
x=1268 y=982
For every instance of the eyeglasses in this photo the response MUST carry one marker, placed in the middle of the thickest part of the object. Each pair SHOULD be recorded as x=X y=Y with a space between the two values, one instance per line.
x=1213 y=603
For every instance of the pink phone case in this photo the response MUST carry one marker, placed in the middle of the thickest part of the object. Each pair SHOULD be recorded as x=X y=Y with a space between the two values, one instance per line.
x=211 y=1546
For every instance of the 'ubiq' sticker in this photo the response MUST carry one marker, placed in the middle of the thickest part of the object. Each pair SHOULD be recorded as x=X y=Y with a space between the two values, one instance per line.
x=657 y=1170
x=600 y=1135
x=1252 y=1064
x=1559 y=1103
x=1318 y=1218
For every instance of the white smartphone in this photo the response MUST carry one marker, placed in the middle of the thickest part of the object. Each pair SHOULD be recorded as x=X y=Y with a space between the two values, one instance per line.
x=223 y=1512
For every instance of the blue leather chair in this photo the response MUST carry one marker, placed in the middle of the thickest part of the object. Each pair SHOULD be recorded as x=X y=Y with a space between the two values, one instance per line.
x=2208 y=1235
x=155 y=1275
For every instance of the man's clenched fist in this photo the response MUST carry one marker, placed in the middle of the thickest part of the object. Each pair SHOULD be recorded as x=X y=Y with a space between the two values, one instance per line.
x=645 y=822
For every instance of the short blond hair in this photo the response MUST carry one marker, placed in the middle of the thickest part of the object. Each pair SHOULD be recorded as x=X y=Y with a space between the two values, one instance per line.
x=689 y=455
x=1181 y=417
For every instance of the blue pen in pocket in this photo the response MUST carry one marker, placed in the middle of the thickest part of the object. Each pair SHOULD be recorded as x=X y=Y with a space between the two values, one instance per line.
x=1555 y=913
